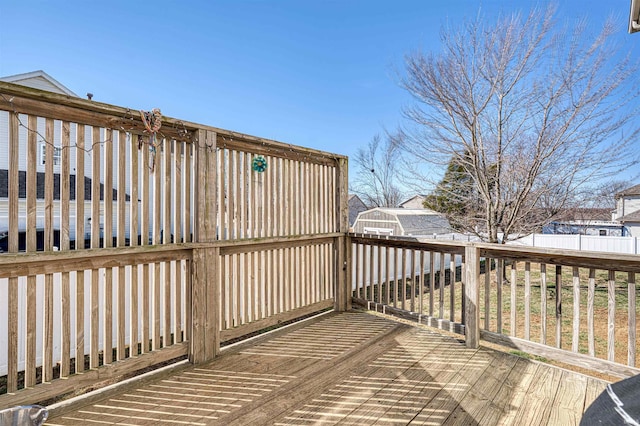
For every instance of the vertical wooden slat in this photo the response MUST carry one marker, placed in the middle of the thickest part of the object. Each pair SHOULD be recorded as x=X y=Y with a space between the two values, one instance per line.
x=260 y=283
x=576 y=310
x=108 y=242
x=252 y=196
x=231 y=198
x=472 y=313
x=422 y=286
x=134 y=197
x=310 y=262
x=47 y=346
x=259 y=202
x=238 y=194
x=286 y=198
x=177 y=238
x=31 y=246
x=315 y=186
x=487 y=293
x=79 y=245
x=304 y=286
x=527 y=300
x=247 y=289
x=379 y=262
x=242 y=195
x=611 y=316
x=277 y=294
x=237 y=284
x=513 y=301
x=167 y=277
x=543 y=303
x=145 y=323
x=463 y=289
x=145 y=219
x=442 y=283
x=322 y=194
x=133 y=312
x=413 y=280
x=432 y=282
x=294 y=264
x=631 y=314
x=270 y=274
x=108 y=187
x=591 y=342
x=371 y=275
x=358 y=266
x=157 y=239
x=187 y=192
x=65 y=194
x=224 y=294
x=95 y=243
x=12 y=302
x=387 y=268
x=452 y=287
x=120 y=240
x=499 y=307
x=558 y=306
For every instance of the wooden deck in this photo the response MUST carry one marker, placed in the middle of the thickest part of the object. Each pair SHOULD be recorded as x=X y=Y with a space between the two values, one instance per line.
x=350 y=369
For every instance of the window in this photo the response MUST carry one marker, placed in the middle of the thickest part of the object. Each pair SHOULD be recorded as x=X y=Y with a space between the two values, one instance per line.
x=57 y=154
x=603 y=232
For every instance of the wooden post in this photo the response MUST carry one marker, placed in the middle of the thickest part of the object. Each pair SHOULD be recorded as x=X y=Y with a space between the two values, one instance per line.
x=471 y=295
x=343 y=244
x=205 y=282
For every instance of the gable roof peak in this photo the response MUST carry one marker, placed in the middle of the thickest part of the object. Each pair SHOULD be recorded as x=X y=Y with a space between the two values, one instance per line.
x=38 y=74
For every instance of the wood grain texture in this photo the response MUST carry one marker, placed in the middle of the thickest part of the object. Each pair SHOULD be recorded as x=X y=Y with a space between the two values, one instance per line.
x=376 y=371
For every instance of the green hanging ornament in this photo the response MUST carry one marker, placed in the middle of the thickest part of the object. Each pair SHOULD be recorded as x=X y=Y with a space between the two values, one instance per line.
x=259 y=164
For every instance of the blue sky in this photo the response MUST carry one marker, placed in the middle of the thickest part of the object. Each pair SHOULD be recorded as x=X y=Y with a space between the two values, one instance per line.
x=322 y=74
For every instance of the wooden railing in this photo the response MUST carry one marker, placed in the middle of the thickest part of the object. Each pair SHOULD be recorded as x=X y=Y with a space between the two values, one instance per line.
x=131 y=245
x=401 y=275
x=508 y=295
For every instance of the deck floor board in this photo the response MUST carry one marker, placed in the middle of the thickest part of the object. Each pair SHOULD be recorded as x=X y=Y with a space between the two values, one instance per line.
x=350 y=369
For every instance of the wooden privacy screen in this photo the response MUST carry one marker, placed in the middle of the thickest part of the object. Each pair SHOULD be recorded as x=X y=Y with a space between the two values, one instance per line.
x=106 y=222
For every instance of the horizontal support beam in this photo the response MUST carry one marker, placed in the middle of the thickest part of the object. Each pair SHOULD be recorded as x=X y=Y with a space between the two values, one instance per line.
x=27 y=100
x=409 y=243
x=243 y=330
x=567 y=357
x=88 y=379
x=36 y=263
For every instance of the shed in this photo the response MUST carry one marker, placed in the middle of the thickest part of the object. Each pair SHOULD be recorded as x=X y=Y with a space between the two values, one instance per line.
x=401 y=222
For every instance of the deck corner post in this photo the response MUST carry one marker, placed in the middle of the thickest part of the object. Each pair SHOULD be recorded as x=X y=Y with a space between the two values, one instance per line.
x=471 y=296
x=342 y=243
x=205 y=280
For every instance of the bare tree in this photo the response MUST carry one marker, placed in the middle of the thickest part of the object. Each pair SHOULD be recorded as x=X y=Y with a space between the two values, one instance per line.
x=531 y=111
x=376 y=173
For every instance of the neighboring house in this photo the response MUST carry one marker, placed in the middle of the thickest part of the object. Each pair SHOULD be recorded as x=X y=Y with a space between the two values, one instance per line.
x=577 y=227
x=401 y=222
x=627 y=211
x=584 y=221
x=415 y=202
x=356 y=206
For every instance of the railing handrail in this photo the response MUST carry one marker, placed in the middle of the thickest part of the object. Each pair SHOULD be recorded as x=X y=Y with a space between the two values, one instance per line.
x=29 y=100
x=566 y=257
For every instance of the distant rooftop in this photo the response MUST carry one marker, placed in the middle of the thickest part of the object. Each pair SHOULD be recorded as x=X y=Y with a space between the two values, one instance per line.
x=39 y=80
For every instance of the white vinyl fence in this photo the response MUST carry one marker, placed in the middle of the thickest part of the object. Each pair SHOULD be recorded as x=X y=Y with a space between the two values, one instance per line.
x=626 y=245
